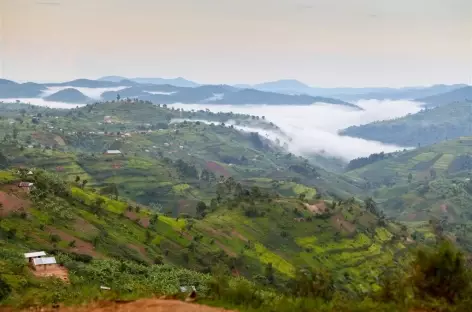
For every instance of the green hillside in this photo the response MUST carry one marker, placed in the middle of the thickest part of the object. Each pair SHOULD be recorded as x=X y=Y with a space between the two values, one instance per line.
x=427 y=127
x=246 y=229
x=171 y=165
x=430 y=182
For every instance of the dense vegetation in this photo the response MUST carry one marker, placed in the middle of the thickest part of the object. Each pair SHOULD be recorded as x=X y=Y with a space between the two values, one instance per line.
x=191 y=200
x=427 y=127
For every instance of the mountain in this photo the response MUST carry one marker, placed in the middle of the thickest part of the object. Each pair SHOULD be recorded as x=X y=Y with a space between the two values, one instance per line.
x=456 y=95
x=88 y=83
x=284 y=86
x=216 y=94
x=69 y=95
x=10 y=89
x=408 y=93
x=178 y=82
x=6 y=82
x=426 y=127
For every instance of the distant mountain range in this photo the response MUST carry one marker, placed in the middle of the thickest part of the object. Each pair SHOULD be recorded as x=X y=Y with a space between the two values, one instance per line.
x=178 y=82
x=288 y=91
x=166 y=93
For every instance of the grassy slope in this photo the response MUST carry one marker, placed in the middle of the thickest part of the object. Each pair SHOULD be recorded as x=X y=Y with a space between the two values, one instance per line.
x=78 y=139
x=440 y=185
x=348 y=240
x=426 y=127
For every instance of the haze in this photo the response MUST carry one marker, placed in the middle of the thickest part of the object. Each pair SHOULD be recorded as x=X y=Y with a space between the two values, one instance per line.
x=314 y=128
x=323 y=43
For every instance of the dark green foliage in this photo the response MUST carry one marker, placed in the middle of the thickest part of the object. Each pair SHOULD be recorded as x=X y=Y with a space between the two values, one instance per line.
x=5 y=289
x=364 y=161
x=441 y=273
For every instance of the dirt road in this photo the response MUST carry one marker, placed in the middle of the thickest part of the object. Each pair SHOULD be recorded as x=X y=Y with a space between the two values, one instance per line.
x=144 y=305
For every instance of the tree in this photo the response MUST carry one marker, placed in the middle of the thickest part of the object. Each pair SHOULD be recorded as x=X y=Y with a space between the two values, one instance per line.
x=313 y=283
x=441 y=273
x=84 y=182
x=118 y=97
x=5 y=289
x=77 y=179
x=15 y=133
x=269 y=273
x=201 y=208
x=410 y=177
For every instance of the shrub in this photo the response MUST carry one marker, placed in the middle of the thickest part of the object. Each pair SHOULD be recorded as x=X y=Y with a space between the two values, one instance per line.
x=441 y=273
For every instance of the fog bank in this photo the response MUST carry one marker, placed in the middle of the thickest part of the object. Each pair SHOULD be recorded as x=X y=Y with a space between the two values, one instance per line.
x=314 y=128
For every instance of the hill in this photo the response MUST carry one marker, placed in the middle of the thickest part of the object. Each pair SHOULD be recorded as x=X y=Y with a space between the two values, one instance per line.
x=407 y=93
x=161 y=148
x=10 y=89
x=245 y=229
x=427 y=127
x=89 y=83
x=178 y=82
x=69 y=95
x=457 y=95
x=216 y=94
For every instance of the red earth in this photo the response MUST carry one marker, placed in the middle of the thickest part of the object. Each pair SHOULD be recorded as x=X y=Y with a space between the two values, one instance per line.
x=217 y=168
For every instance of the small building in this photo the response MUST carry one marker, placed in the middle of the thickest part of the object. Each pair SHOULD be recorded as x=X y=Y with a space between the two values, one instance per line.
x=32 y=255
x=113 y=152
x=44 y=263
x=26 y=185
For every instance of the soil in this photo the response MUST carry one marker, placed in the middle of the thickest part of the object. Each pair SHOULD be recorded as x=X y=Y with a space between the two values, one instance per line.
x=11 y=201
x=81 y=247
x=217 y=169
x=319 y=208
x=143 y=305
x=59 y=272
x=341 y=224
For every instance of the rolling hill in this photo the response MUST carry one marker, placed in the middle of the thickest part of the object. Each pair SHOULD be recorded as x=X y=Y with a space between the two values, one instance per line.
x=457 y=95
x=69 y=95
x=427 y=127
x=162 y=161
x=428 y=182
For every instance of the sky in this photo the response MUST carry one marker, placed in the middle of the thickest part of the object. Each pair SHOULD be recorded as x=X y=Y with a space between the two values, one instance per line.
x=325 y=43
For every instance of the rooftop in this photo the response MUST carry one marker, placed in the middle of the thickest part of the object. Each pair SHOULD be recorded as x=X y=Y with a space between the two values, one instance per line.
x=113 y=152
x=35 y=254
x=43 y=261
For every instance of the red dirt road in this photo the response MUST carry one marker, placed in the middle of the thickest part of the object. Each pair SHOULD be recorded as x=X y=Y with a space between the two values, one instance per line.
x=144 y=305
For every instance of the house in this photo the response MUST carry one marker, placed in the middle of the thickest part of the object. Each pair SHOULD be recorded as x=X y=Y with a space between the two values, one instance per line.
x=26 y=185
x=32 y=255
x=113 y=152
x=44 y=263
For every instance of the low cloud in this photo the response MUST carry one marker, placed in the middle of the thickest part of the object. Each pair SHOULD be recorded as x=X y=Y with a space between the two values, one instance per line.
x=94 y=93
x=314 y=128
x=42 y=102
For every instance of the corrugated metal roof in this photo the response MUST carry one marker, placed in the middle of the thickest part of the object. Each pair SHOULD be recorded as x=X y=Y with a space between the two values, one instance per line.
x=113 y=152
x=42 y=261
x=25 y=184
x=35 y=254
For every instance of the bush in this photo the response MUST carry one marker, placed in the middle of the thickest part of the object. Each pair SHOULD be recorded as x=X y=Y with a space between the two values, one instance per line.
x=441 y=274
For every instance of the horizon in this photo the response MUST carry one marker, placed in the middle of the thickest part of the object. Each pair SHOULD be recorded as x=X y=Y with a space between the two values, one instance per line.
x=368 y=43
x=241 y=83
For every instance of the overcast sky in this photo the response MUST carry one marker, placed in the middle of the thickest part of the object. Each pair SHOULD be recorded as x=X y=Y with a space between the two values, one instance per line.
x=320 y=42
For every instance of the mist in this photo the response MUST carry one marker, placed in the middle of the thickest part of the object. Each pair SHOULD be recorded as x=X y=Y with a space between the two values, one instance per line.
x=94 y=93
x=41 y=102
x=314 y=129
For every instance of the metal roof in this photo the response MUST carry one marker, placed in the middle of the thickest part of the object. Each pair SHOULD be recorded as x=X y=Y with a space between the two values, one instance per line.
x=42 y=261
x=35 y=254
x=113 y=152
x=25 y=184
